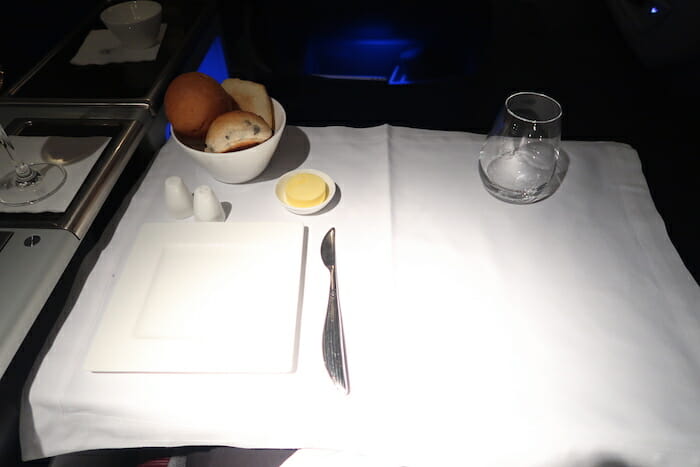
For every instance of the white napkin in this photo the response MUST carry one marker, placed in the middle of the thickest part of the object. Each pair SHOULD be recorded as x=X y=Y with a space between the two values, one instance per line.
x=101 y=47
x=77 y=154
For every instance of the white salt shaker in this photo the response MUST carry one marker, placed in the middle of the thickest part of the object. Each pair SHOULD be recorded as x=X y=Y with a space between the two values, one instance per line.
x=178 y=198
x=207 y=207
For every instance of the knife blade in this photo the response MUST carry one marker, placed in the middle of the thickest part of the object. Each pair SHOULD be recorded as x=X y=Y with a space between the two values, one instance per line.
x=333 y=335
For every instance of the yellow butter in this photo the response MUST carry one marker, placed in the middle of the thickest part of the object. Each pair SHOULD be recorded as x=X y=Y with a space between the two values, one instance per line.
x=305 y=190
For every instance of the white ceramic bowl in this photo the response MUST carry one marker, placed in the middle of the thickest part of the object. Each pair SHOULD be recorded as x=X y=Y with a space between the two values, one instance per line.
x=244 y=165
x=279 y=191
x=135 y=23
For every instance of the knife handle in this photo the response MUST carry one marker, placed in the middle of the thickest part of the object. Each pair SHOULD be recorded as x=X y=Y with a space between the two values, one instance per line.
x=333 y=337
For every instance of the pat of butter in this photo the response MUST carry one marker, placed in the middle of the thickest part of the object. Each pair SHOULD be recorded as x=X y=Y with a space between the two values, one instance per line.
x=305 y=190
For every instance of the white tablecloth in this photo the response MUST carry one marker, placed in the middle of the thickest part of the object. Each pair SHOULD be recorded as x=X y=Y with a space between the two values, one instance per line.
x=478 y=332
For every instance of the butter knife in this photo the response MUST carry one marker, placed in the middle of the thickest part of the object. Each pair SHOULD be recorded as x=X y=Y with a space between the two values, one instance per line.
x=333 y=337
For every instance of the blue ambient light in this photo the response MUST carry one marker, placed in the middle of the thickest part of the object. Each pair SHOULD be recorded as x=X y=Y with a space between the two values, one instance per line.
x=653 y=10
x=214 y=62
x=361 y=53
x=398 y=77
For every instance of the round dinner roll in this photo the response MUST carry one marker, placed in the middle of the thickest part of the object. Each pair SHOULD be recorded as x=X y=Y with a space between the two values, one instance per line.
x=236 y=130
x=192 y=101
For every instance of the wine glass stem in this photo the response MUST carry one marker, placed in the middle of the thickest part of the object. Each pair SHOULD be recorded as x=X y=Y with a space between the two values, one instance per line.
x=24 y=173
x=8 y=149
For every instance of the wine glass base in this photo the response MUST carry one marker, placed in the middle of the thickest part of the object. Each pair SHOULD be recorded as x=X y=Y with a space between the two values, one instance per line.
x=50 y=178
x=515 y=196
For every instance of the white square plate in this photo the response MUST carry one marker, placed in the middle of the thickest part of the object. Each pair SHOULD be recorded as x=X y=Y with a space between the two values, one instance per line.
x=205 y=297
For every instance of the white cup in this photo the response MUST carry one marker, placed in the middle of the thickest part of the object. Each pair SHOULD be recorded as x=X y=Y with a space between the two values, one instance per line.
x=207 y=207
x=178 y=198
x=135 y=23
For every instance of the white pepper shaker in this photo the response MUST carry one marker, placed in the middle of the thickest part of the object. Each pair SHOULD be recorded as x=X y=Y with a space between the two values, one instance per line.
x=178 y=198
x=207 y=207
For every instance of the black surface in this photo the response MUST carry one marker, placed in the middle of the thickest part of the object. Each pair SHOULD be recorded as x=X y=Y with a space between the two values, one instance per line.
x=59 y=79
x=31 y=28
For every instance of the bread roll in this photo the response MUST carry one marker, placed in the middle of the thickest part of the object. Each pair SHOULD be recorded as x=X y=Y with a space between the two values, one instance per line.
x=236 y=130
x=192 y=101
x=251 y=97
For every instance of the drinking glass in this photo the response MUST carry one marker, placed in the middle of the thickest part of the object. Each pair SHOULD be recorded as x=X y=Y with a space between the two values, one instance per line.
x=519 y=157
x=28 y=183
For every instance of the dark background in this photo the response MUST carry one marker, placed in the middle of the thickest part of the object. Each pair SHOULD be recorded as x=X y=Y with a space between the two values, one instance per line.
x=620 y=74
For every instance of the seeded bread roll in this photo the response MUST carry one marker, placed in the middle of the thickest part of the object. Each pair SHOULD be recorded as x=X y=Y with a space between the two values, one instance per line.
x=236 y=130
x=251 y=97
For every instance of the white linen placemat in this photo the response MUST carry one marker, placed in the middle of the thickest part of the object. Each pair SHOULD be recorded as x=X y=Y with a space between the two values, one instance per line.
x=101 y=47
x=77 y=155
x=478 y=332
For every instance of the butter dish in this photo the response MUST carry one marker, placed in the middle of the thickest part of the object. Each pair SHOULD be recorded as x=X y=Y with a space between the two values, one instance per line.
x=281 y=191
